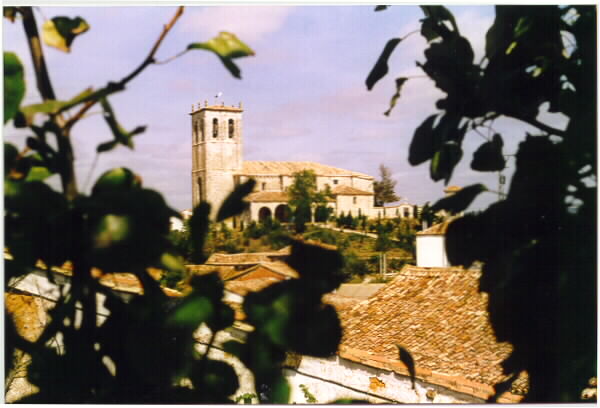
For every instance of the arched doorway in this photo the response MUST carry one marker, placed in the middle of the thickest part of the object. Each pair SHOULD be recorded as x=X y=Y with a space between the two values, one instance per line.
x=263 y=214
x=283 y=213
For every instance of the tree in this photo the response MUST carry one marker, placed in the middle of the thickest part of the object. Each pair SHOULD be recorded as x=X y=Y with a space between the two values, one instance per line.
x=123 y=227
x=539 y=271
x=303 y=196
x=384 y=188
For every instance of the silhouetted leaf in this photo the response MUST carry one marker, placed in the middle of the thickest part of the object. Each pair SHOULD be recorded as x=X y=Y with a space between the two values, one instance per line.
x=380 y=69
x=489 y=157
x=121 y=135
x=10 y=13
x=227 y=47
x=10 y=157
x=444 y=161
x=464 y=239
x=198 y=229
x=193 y=311
x=459 y=201
x=408 y=361
x=421 y=147
x=51 y=107
x=280 y=392
x=381 y=8
x=440 y=13
x=59 y=32
x=429 y=29
x=234 y=204
x=119 y=179
x=399 y=82
x=318 y=266
x=215 y=378
x=14 y=85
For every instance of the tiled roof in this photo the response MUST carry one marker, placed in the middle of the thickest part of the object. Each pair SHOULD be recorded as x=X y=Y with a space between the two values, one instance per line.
x=268 y=197
x=243 y=287
x=342 y=304
x=278 y=267
x=287 y=168
x=437 y=229
x=347 y=190
x=439 y=315
x=359 y=290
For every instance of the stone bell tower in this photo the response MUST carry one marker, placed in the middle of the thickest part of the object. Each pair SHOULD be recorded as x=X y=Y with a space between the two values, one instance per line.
x=216 y=152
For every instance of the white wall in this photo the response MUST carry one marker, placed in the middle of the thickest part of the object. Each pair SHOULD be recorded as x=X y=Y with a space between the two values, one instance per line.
x=341 y=378
x=431 y=251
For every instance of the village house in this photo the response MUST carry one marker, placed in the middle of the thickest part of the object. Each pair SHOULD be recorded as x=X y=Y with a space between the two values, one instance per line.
x=218 y=166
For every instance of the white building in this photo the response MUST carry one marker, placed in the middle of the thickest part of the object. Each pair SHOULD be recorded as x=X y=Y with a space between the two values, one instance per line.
x=431 y=247
x=218 y=166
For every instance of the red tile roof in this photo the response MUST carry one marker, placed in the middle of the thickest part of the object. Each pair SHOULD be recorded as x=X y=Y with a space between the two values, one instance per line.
x=437 y=229
x=439 y=315
x=268 y=197
x=288 y=168
x=243 y=287
x=347 y=190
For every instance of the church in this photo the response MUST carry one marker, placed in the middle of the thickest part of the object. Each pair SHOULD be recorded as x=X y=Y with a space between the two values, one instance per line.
x=218 y=166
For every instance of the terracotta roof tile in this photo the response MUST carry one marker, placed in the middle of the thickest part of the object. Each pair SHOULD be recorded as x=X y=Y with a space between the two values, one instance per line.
x=287 y=168
x=437 y=229
x=347 y=190
x=268 y=197
x=250 y=258
x=439 y=315
x=243 y=287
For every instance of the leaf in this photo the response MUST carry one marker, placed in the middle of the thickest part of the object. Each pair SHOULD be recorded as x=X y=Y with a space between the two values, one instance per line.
x=52 y=107
x=121 y=135
x=117 y=179
x=381 y=66
x=14 y=85
x=444 y=161
x=318 y=266
x=381 y=8
x=489 y=157
x=193 y=311
x=421 y=147
x=399 y=82
x=38 y=173
x=215 y=378
x=10 y=13
x=429 y=29
x=111 y=229
x=440 y=13
x=10 y=157
x=198 y=229
x=408 y=361
x=234 y=204
x=349 y=401
x=59 y=32
x=459 y=201
x=227 y=47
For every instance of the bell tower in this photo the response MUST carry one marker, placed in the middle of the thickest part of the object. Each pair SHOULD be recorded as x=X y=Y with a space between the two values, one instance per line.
x=216 y=152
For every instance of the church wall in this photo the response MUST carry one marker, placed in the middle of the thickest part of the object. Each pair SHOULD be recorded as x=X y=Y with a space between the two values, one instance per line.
x=354 y=203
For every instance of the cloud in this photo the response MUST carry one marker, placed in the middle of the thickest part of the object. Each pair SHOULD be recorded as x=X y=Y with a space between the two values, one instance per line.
x=250 y=24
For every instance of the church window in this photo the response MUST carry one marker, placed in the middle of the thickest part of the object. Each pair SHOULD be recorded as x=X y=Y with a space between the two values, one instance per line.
x=353 y=200
x=264 y=186
x=200 y=197
x=196 y=131
x=335 y=181
x=231 y=128
x=215 y=127
x=202 y=130
x=406 y=213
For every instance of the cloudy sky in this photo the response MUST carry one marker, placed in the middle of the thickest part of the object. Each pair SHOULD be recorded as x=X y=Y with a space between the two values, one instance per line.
x=303 y=92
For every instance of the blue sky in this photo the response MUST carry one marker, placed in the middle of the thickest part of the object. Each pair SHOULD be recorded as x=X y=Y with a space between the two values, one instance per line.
x=303 y=93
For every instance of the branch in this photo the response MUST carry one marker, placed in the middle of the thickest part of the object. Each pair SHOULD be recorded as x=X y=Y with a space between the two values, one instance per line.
x=542 y=126
x=37 y=55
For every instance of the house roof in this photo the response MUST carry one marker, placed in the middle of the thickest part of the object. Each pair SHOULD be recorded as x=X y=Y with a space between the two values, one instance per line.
x=359 y=290
x=347 y=190
x=440 y=317
x=287 y=168
x=278 y=267
x=268 y=197
x=437 y=229
x=243 y=287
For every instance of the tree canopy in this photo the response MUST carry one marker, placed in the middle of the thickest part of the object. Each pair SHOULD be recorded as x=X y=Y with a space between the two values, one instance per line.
x=303 y=196
x=538 y=245
x=384 y=187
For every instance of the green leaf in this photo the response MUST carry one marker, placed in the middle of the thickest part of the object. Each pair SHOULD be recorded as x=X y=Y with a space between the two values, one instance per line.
x=38 y=173
x=381 y=8
x=227 y=47
x=52 y=107
x=408 y=361
x=489 y=157
x=118 y=179
x=349 y=401
x=459 y=201
x=10 y=13
x=59 y=32
x=444 y=161
x=380 y=69
x=121 y=135
x=421 y=147
x=399 y=82
x=10 y=157
x=193 y=311
x=280 y=392
x=234 y=204
x=112 y=229
x=173 y=263
x=216 y=378
x=14 y=85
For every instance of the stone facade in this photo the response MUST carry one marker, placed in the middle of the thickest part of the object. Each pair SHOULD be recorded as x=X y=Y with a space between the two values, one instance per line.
x=218 y=166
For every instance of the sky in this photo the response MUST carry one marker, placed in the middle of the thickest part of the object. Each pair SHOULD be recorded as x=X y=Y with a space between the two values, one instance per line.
x=303 y=93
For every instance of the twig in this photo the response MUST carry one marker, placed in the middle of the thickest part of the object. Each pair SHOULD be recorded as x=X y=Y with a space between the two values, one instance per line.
x=37 y=55
x=166 y=61
x=542 y=126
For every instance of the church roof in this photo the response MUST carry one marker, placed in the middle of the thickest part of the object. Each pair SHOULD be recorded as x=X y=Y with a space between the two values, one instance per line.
x=347 y=190
x=268 y=197
x=287 y=168
x=440 y=316
x=437 y=229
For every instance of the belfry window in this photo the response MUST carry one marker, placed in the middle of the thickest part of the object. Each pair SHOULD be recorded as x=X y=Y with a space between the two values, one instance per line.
x=202 y=130
x=196 y=131
x=215 y=127
x=231 y=128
